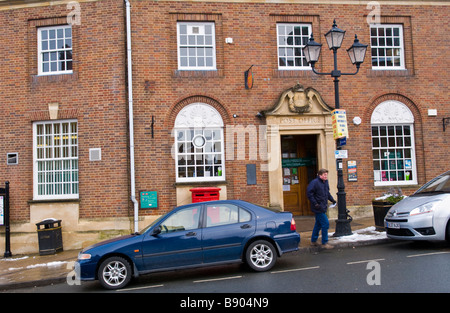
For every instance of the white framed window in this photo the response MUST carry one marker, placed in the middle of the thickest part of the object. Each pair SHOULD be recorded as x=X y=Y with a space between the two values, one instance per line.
x=394 y=161
x=196 y=46
x=387 y=47
x=291 y=39
x=55 y=50
x=199 y=144
x=55 y=160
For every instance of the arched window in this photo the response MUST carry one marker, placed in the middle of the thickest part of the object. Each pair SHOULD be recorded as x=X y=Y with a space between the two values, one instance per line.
x=199 y=144
x=394 y=161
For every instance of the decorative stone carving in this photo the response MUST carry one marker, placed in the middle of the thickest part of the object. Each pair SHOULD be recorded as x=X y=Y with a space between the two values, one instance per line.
x=198 y=115
x=299 y=100
x=392 y=112
x=53 y=108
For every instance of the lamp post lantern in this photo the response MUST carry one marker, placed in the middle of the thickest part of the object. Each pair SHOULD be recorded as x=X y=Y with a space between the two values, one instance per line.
x=335 y=36
x=356 y=52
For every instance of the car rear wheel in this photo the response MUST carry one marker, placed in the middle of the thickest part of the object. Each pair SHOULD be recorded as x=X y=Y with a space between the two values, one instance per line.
x=261 y=256
x=114 y=273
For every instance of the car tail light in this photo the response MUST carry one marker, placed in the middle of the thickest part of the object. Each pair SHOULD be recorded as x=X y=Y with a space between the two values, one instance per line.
x=293 y=227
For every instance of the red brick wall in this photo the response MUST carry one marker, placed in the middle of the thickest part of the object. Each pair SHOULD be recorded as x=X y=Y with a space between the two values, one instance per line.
x=95 y=94
x=160 y=89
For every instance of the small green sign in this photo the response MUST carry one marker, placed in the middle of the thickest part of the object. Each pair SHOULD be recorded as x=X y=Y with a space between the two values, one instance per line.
x=149 y=199
x=297 y=162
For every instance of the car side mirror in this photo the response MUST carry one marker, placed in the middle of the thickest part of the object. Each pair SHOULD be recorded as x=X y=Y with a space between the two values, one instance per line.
x=156 y=231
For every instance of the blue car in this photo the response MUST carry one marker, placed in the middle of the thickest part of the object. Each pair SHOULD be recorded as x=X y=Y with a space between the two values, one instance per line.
x=194 y=235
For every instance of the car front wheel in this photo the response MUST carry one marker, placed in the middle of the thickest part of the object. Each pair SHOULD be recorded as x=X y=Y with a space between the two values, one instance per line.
x=261 y=256
x=114 y=273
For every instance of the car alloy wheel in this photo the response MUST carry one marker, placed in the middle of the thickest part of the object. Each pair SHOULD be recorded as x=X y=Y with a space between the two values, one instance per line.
x=114 y=273
x=261 y=255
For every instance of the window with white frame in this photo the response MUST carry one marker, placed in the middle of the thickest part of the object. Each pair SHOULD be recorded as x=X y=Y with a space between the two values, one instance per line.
x=55 y=157
x=55 y=50
x=387 y=47
x=199 y=144
x=196 y=46
x=291 y=39
x=394 y=161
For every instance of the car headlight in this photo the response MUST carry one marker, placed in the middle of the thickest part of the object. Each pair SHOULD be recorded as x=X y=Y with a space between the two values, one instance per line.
x=424 y=208
x=84 y=256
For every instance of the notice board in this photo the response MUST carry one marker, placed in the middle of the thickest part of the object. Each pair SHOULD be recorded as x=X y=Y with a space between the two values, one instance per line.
x=149 y=199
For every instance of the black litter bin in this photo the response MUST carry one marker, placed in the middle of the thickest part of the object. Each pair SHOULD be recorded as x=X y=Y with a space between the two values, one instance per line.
x=49 y=236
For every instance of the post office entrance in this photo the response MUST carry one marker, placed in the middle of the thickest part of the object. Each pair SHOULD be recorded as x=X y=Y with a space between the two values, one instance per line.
x=299 y=167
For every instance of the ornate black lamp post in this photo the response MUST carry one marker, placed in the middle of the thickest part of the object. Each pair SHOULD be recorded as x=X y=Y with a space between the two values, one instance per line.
x=356 y=52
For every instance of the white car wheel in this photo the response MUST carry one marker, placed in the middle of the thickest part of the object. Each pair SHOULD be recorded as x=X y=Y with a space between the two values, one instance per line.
x=261 y=255
x=114 y=273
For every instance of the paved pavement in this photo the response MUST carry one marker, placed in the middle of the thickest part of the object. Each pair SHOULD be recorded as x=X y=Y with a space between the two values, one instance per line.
x=21 y=271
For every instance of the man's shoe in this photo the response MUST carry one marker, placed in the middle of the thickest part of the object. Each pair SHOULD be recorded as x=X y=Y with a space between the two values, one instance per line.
x=327 y=246
x=314 y=244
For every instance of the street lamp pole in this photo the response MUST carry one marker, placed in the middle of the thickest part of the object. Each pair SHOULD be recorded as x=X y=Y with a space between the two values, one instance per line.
x=356 y=53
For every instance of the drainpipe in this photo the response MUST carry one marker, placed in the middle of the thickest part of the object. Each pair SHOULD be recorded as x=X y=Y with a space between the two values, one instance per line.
x=130 y=117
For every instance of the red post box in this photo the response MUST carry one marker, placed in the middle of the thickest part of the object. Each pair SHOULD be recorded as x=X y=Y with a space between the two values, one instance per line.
x=202 y=194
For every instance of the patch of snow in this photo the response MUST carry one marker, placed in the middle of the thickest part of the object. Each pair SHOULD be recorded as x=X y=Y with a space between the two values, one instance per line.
x=364 y=234
x=50 y=264
x=14 y=259
x=385 y=196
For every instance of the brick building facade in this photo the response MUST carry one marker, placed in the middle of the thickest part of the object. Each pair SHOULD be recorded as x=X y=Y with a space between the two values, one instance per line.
x=54 y=114
x=195 y=123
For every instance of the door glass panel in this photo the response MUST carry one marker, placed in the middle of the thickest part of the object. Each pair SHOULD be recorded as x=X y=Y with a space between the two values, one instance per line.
x=221 y=215
x=185 y=219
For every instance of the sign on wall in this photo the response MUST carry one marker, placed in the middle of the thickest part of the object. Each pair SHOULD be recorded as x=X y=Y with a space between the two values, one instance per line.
x=351 y=168
x=149 y=199
x=297 y=162
x=341 y=154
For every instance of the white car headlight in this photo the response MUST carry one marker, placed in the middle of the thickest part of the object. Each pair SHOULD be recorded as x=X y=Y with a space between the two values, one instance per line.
x=84 y=256
x=424 y=208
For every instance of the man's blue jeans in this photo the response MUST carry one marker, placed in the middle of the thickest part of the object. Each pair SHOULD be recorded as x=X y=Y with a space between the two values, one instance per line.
x=321 y=224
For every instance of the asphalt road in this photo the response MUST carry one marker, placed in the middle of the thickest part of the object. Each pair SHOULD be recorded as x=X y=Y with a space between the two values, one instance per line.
x=398 y=267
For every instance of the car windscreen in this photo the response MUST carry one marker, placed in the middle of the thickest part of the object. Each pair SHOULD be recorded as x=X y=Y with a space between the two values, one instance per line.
x=440 y=184
x=152 y=224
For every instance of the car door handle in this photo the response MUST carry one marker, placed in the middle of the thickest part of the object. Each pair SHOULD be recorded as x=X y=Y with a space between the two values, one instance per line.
x=191 y=234
x=245 y=226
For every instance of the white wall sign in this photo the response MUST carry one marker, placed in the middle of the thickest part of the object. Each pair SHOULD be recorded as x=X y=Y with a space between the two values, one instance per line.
x=341 y=154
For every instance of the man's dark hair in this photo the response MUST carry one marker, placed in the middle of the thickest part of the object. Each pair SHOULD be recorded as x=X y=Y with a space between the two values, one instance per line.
x=322 y=171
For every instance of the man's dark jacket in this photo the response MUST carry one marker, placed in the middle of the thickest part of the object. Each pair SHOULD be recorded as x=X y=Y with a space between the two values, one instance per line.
x=318 y=193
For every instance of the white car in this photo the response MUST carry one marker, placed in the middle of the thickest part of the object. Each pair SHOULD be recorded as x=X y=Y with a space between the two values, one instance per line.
x=425 y=215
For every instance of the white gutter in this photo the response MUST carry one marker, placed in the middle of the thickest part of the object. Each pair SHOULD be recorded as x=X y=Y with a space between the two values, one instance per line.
x=130 y=118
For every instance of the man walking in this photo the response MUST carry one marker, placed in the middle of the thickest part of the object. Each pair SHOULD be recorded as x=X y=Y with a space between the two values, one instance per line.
x=318 y=193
